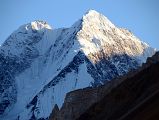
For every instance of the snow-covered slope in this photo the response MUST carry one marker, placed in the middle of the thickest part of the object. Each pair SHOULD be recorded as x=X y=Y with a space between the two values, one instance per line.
x=40 y=65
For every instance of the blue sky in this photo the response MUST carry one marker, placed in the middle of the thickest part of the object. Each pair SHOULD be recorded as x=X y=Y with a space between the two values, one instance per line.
x=139 y=16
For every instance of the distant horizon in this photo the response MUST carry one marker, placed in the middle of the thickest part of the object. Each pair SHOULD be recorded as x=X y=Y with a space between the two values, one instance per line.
x=140 y=17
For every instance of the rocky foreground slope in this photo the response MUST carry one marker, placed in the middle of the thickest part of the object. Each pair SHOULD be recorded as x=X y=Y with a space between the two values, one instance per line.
x=39 y=65
x=132 y=97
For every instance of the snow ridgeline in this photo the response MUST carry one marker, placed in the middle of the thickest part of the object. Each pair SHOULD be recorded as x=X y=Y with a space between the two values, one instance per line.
x=40 y=65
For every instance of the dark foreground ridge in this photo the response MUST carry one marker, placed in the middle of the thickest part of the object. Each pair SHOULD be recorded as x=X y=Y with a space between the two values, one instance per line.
x=133 y=97
x=137 y=98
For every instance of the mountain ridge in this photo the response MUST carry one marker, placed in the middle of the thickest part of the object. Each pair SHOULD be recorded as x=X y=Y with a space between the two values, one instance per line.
x=79 y=103
x=134 y=98
x=45 y=64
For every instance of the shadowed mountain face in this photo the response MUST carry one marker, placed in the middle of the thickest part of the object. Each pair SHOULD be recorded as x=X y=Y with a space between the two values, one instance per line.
x=129 y=97
x=39 y=65
x=132 y=97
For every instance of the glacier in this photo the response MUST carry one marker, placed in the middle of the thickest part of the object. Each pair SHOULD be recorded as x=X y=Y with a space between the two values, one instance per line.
x=39 y=65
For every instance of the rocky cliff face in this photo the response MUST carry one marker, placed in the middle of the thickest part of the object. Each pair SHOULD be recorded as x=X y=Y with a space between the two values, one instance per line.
x=44 y=63
x=135 y=98
x=113 y=100
x=78 y=101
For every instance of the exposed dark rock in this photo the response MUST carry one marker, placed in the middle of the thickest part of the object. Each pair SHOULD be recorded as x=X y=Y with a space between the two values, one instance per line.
x=54 y=112
x=130 y=98
x=113 y=100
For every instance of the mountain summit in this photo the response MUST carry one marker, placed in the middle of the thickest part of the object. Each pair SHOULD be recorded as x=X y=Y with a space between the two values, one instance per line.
x=39 y=65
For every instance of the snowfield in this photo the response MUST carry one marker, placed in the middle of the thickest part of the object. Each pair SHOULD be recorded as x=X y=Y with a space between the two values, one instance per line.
x=39 y=65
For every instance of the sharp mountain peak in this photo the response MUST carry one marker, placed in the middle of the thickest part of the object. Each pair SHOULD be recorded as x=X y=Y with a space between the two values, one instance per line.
x=45 y=64
x=91 y=16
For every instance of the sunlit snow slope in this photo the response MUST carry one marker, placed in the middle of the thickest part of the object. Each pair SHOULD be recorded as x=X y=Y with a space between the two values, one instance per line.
x=39 y=65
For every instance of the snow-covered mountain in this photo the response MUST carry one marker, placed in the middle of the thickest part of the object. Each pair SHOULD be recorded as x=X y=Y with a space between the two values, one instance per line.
x=39 y=65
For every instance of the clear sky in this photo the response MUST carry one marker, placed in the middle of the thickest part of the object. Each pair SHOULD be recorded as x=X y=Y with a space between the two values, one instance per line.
x=139 y=16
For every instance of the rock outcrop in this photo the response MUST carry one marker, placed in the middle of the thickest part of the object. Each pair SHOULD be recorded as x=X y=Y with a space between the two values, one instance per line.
x=113 y=100
x=44 y=63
